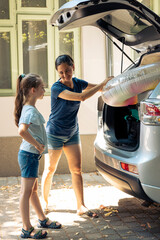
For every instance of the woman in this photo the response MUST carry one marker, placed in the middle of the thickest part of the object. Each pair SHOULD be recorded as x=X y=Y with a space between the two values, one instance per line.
x=62 y=128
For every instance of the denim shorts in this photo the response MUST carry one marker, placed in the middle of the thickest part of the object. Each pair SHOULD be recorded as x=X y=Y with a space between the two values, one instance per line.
x=29 y=163
x=57 y=142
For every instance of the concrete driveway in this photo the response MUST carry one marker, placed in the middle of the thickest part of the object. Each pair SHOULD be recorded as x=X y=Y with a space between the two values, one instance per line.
x=120 y=215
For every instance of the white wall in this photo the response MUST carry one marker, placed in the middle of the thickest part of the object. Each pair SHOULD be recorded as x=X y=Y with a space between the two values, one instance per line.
x=93 y=70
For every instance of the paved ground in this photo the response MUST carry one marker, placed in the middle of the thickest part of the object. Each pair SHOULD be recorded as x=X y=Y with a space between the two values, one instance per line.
x=120 y=215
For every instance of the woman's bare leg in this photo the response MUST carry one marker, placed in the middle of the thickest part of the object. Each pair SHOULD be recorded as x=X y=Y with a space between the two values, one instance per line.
x=51 y=162
x=73 y=154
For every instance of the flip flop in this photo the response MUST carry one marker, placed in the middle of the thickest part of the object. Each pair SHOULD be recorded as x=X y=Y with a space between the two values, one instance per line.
x=37 y=235
x=52 y=225
x=89 y=213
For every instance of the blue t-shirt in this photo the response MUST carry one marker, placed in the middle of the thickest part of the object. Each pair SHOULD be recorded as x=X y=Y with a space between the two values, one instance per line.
x=30 y=115
x=63 y=118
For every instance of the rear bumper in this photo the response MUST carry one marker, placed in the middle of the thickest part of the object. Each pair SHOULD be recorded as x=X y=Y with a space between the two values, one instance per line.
x=121 y=180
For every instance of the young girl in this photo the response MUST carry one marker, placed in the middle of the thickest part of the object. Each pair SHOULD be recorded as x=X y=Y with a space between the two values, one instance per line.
x=30 y=122
x=62 y=128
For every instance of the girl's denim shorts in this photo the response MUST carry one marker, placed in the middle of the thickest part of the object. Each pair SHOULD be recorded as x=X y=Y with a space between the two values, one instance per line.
x=57 y=142
x=29 y=163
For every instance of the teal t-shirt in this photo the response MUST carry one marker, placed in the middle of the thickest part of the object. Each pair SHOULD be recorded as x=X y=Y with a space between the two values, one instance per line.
x=30 y=115
x=63 y=118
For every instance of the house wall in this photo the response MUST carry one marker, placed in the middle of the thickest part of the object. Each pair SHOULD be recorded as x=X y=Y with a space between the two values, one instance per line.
x=93 y=70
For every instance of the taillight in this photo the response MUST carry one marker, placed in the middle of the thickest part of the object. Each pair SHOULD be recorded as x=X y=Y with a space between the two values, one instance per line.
x=152 y=110
x=150 y=113
x=129 y=167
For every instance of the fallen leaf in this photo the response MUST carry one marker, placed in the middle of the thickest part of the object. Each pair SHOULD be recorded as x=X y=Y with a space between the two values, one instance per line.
x=4 y=187
x=107 y=214
x=148 y=225
x=102 y=206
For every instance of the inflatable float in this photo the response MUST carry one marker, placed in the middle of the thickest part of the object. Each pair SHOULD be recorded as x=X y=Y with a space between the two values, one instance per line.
x=123 y=89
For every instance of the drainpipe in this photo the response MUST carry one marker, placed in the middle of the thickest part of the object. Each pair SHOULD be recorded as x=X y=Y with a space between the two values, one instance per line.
x=109 y=57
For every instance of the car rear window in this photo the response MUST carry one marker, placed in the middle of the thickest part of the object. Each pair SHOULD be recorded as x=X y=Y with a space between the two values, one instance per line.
x=126 y=21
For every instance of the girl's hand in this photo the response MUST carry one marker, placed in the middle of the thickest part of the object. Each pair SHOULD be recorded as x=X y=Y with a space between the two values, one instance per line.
x=40 y=148
x=23 y=132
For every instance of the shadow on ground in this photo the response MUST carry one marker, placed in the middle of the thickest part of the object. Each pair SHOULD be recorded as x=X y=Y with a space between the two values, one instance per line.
x=120 y=215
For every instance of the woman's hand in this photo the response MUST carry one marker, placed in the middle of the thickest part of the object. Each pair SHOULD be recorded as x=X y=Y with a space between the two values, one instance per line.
x=105 y=82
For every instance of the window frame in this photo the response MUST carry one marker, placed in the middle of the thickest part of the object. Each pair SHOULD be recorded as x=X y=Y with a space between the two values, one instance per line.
x=13 y=61
x=50 y=40
x=10 y=21
x=41 y=10
x=14 y=26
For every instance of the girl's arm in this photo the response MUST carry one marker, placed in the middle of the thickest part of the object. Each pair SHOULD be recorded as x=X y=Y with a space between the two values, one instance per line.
x=23 y=132
x=89 y=91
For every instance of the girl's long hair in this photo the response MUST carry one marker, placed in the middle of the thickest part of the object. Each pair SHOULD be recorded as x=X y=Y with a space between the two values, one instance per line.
x=24 y=84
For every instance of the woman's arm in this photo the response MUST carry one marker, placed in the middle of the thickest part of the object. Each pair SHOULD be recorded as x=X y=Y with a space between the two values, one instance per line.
x=91 y=85
x=23 y=132
x=89 y=91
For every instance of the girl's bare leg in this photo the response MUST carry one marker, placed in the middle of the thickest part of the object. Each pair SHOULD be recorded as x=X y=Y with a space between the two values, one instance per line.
x=37 y=205
x=51 y=162
x=27 y=185
x=26 y=191
x=36 y=202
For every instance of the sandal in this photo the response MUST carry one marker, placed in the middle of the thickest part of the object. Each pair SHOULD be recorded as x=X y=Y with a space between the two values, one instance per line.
x=52 y=225
x=89 y=213
x=37 y=235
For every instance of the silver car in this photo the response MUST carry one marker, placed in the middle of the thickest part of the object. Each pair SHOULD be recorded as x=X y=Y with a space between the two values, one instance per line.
x=127 y=145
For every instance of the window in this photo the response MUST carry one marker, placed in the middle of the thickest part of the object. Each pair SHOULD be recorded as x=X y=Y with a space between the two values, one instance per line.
x=8 y=60
x=4 y=9
x=126 y=21
x=41 y=6
x=6 y=12
x=35 y=47
x=28 y=43
x=66 y=43
x=33 y=3
x=61 y=2
x=5 y=60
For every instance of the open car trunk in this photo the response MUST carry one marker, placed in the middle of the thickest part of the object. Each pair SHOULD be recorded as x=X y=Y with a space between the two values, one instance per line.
x=121 y=126
x=134 y=25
